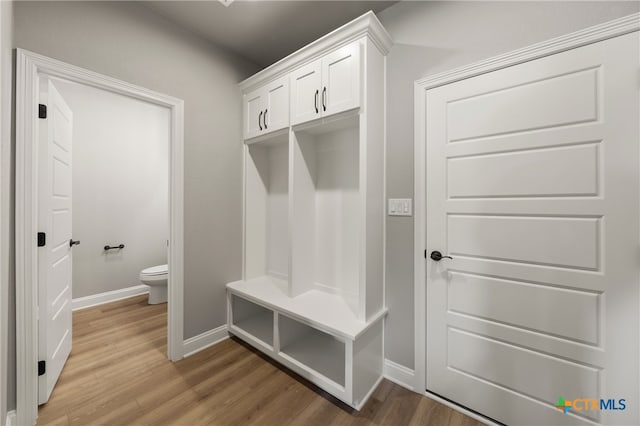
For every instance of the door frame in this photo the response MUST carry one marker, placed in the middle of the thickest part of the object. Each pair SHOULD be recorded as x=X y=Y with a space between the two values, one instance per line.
x=604 y=31
x=29 y=68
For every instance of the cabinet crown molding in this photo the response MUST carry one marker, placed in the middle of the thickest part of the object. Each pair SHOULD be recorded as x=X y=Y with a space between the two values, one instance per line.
x=365 y=25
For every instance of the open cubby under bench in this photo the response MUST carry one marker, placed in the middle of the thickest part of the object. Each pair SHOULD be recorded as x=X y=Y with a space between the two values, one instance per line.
x=315 y=334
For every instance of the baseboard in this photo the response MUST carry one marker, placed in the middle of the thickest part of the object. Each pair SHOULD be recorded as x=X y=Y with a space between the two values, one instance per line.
x=399 y=374
x=11 y=418
x=202 y=341
x=108 y=297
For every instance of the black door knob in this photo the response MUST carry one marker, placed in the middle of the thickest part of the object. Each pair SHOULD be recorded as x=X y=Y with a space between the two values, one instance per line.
x=437 y=256
x=73 y=243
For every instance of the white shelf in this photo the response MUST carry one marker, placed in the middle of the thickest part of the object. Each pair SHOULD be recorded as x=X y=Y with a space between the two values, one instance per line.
x=253 y=319
x=317 y=351
x=260 y=327
x=322 y=310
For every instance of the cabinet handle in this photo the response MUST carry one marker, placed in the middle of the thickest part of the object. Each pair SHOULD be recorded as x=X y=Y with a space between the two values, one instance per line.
x=259 y=122
x=264 y=119
x=317 y=91
x=324 y=95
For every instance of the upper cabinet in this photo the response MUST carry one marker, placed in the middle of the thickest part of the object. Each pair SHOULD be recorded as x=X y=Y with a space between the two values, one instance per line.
x=327 y=86
x=341 y=77
x=267 y=109
x=305 y=94
x=325 y=78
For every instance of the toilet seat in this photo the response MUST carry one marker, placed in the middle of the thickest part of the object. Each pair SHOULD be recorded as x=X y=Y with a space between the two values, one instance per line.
x=155 y=271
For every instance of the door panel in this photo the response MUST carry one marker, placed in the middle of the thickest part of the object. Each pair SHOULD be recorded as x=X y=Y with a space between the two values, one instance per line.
x=341 y=80
x=305 y=93
x=525 y=106
x=533 y=188
x=254 y=105
x=538 y=172
x=277 y=105
x=54 y=218
x=570 y=242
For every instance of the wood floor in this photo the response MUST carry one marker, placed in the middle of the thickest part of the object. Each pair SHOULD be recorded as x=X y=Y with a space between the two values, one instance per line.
x=118 y=374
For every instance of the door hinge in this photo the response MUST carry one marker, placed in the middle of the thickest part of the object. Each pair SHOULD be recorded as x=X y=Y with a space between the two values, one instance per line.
x=425 y=253
x=42 y=367
x=42 y=111
x=42 y=239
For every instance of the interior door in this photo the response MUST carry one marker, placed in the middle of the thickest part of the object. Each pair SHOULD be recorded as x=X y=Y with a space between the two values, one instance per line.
x=305 y=93
x=254 y=105
x=55 y=254
x=277 y=108
x=341 y=80
x=533 y=190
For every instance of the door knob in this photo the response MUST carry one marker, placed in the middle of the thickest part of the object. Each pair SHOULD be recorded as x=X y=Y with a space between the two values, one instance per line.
x=437 y=256
x=73 y=243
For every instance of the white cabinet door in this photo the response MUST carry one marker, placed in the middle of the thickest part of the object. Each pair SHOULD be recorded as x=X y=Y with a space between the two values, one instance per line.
x=254 y=106
x=276 y=112
x=341 y=80
x=305 y=93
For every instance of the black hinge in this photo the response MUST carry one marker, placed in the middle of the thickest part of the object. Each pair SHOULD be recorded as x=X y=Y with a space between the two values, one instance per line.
x=42 y=367
x=42 y=111
x=425 y=253
x=42 y=239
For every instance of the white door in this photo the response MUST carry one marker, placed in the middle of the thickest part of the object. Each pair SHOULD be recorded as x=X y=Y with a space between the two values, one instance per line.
x=533 y=189
x=341 y=80
x=277 y=108
x=54 y=220
x=254 y=105
x=305 y=93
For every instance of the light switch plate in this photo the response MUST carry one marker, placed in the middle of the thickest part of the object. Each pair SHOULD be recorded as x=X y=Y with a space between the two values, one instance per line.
x=400 y=207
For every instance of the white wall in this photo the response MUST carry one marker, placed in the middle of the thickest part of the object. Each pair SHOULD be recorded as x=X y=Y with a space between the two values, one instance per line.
x=7 y=293
x=120 y=187
x=431 y=37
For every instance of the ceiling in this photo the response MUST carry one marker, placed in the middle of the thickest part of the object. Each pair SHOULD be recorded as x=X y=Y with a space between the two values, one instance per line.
x=263 y=31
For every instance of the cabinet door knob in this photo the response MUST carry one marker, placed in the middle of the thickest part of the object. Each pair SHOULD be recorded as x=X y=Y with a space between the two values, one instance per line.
x=260 y=120
x=264 y=119
x=316 y=100
x=324 y=95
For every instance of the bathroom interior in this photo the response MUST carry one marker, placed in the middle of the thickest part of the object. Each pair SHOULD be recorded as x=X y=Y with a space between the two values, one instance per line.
x=120 y=196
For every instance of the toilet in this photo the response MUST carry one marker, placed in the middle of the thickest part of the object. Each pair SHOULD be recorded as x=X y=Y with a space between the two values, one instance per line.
x=156 y=277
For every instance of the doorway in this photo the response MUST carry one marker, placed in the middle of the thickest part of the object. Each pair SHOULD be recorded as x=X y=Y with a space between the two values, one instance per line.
x=32 y=69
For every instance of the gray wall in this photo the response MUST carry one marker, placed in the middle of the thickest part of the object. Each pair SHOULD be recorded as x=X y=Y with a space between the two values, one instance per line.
x=7 y=305
x=130 y=42
x=120 y=187
x=431 y=37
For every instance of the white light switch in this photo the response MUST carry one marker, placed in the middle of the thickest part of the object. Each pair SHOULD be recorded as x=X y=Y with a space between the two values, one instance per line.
x=400 y=207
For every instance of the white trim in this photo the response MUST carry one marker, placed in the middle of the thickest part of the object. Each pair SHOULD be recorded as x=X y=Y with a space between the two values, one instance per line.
x=570 y=41
x=461 y=409
x=205 y=340
x=108 y=297
x=29 y=66
x=606 y=30
x=400 y=375
x=11 y=418
x=365 y=25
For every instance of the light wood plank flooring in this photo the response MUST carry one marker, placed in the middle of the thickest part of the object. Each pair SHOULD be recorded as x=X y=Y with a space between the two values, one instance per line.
x=118 y=374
